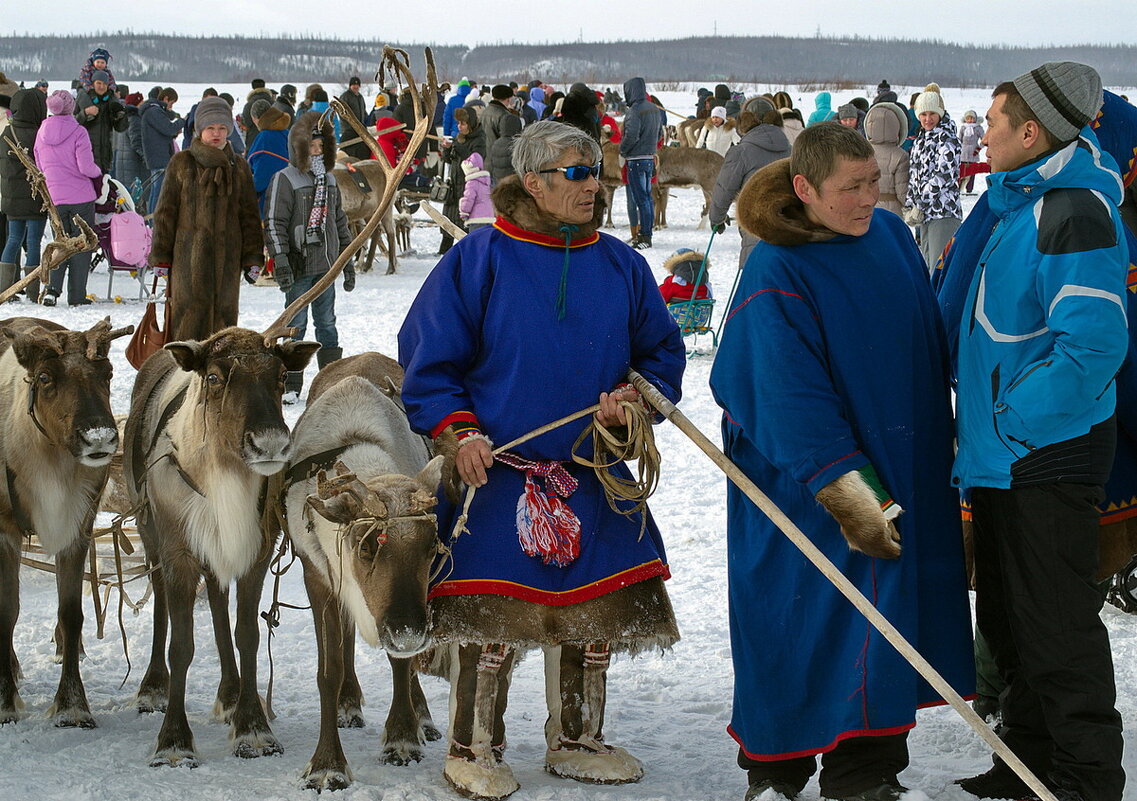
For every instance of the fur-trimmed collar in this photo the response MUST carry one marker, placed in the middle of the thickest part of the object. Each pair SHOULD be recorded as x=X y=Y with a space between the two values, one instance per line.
x=207 y=156
x=730 y=124
x=769 y=209
x=518 y=207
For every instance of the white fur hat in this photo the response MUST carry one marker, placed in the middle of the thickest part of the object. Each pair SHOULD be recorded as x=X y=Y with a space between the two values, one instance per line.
x=719 y=111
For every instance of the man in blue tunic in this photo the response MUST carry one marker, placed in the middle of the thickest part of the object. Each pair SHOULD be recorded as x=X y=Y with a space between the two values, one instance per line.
x=832 y=375
x=520 y=324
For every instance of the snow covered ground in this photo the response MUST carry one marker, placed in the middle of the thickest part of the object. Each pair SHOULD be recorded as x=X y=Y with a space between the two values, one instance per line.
x=669 y=710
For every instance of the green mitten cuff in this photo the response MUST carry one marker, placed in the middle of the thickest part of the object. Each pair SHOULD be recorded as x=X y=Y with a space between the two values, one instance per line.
x=889 y=507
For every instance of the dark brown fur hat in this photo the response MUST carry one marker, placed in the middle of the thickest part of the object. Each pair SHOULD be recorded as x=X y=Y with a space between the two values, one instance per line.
x=306 y=128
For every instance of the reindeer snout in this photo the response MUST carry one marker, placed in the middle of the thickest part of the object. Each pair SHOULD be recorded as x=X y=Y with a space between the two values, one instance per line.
x=405 y=641
x=266 y=452
x=97 y=446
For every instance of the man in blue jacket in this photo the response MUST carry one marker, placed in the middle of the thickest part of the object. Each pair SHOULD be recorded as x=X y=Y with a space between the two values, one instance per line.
x=160 y=126
x=642 y=129
x=1043 y=337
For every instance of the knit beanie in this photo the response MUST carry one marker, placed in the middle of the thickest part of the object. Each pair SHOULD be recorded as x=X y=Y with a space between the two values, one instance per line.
x=212 y=111
x=100 y=75
x=930 y=100
x=847 y=112
x=1065 y=95
x=719 y=111
x=60 y=102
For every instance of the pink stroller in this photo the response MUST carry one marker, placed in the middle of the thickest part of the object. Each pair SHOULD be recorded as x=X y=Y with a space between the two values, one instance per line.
x=124 y=238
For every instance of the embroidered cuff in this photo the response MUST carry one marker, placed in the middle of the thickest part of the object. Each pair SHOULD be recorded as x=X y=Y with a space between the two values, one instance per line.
x=462 y=421
x=889 y=507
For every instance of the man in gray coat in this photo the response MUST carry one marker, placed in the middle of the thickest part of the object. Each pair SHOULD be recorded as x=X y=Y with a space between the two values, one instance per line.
x=643 y=125
x=763 y=142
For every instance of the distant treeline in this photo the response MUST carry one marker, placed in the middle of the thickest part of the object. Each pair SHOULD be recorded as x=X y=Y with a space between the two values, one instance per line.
x=757 y=59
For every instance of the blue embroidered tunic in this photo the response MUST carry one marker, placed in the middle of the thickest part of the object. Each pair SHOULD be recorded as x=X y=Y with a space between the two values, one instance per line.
x=833 y=358
x=483 y=345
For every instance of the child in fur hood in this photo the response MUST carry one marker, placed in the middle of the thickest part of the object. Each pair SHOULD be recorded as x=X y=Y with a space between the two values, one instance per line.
x=475 y=208
x=684 y=268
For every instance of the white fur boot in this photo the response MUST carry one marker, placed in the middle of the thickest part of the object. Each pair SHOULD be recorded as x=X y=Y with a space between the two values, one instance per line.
x=575 y=691
x=477 y=770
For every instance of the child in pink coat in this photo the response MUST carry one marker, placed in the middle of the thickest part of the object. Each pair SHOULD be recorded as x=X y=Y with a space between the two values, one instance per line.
x=475 y=208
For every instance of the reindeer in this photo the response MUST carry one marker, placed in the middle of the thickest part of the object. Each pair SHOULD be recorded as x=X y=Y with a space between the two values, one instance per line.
x=366 y=538
x=675 y=167
x=57 y=438
x=359 y=206
x=687 y=131
x=205 y=430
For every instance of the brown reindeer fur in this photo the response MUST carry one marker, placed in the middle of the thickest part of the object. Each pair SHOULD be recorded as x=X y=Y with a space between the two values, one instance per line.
x=207 y=229
x=769 y=209
x=854 y=506
x=358 y=206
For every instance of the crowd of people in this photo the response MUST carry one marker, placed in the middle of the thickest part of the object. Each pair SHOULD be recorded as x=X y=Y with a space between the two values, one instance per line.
x=1026 y=320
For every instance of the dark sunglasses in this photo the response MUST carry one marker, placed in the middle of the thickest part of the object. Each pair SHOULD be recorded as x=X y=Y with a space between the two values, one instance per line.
x=578 y=172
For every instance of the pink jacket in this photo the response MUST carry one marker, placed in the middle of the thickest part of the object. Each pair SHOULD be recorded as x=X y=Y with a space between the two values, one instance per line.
x=63 y=152
x=475 y=205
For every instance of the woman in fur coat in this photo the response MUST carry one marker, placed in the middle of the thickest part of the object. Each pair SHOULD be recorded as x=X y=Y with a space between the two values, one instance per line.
x=206 y=228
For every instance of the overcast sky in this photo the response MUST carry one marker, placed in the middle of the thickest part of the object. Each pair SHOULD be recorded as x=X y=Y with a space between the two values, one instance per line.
x=1017 y=22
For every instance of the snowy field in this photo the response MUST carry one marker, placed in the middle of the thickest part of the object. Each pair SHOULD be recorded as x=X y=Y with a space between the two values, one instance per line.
x=670 y=710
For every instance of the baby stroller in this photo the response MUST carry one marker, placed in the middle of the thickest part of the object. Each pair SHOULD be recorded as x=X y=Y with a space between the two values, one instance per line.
x=124 y=238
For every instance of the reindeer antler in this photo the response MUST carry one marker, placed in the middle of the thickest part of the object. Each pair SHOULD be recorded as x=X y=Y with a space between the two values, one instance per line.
x=63 y=246
x=397 y=62
x=100 y=335
x=349 y=497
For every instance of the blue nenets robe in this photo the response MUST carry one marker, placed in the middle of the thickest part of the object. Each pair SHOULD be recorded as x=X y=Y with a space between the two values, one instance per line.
x=833 y=358
x=483 y=345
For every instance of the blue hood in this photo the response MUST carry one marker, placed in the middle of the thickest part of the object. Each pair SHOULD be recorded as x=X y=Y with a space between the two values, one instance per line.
x=635 y=90
x=823 y=101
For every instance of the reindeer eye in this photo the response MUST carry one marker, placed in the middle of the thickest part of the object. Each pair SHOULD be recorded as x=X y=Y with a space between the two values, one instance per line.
x=44 y=378
x=213 y=379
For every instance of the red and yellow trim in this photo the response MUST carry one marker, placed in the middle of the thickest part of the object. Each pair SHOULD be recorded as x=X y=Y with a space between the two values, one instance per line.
x=567 y=598
x=462 y=420
x=845 y=735
x=515 y=232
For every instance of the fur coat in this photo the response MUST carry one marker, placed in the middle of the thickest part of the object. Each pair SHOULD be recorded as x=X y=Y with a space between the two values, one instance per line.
x=206 y=231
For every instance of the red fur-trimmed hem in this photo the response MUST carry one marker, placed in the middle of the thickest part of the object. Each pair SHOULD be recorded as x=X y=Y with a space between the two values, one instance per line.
x=546 y=598
x=1117 y=516
x=463 y=416
x=845 y=735
x=516 y=232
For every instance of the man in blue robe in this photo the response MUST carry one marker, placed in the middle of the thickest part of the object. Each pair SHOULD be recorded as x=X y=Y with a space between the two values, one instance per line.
x=520 y=324
x=832 y=374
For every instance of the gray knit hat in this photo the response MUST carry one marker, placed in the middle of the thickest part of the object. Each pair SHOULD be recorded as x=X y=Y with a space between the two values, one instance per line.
x=212 y=111
x=1065 y=95
x=847 y=112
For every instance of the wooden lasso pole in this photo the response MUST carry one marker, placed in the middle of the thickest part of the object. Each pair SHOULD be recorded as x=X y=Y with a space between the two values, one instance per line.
x=838 y=579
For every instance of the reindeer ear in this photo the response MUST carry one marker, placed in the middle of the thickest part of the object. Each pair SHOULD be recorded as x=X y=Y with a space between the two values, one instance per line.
x=190 y=354
x=430 y=476
x=336 y=509
x=33 y=344
x=296 y=355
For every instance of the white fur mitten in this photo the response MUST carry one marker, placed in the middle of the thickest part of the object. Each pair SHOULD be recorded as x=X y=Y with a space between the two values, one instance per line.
x=857 y=509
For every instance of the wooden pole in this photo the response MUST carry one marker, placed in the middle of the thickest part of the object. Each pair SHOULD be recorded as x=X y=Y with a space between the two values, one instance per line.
x=822 y=563
x=444 y=222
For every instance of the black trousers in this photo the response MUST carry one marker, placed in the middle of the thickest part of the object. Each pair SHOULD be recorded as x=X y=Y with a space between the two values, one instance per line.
x=1038 y=606
x=856 y=764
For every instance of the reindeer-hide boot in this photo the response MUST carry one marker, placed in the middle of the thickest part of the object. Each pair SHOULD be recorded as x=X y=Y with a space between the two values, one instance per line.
x=479 y=688
x=576 y=692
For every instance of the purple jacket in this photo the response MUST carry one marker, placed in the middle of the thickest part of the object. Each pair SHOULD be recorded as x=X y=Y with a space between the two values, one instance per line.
x=63 y=152
x=475 y=205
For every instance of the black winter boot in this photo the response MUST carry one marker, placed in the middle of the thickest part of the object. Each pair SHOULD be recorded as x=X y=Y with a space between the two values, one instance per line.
x=325 y=356
x=293 y=383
